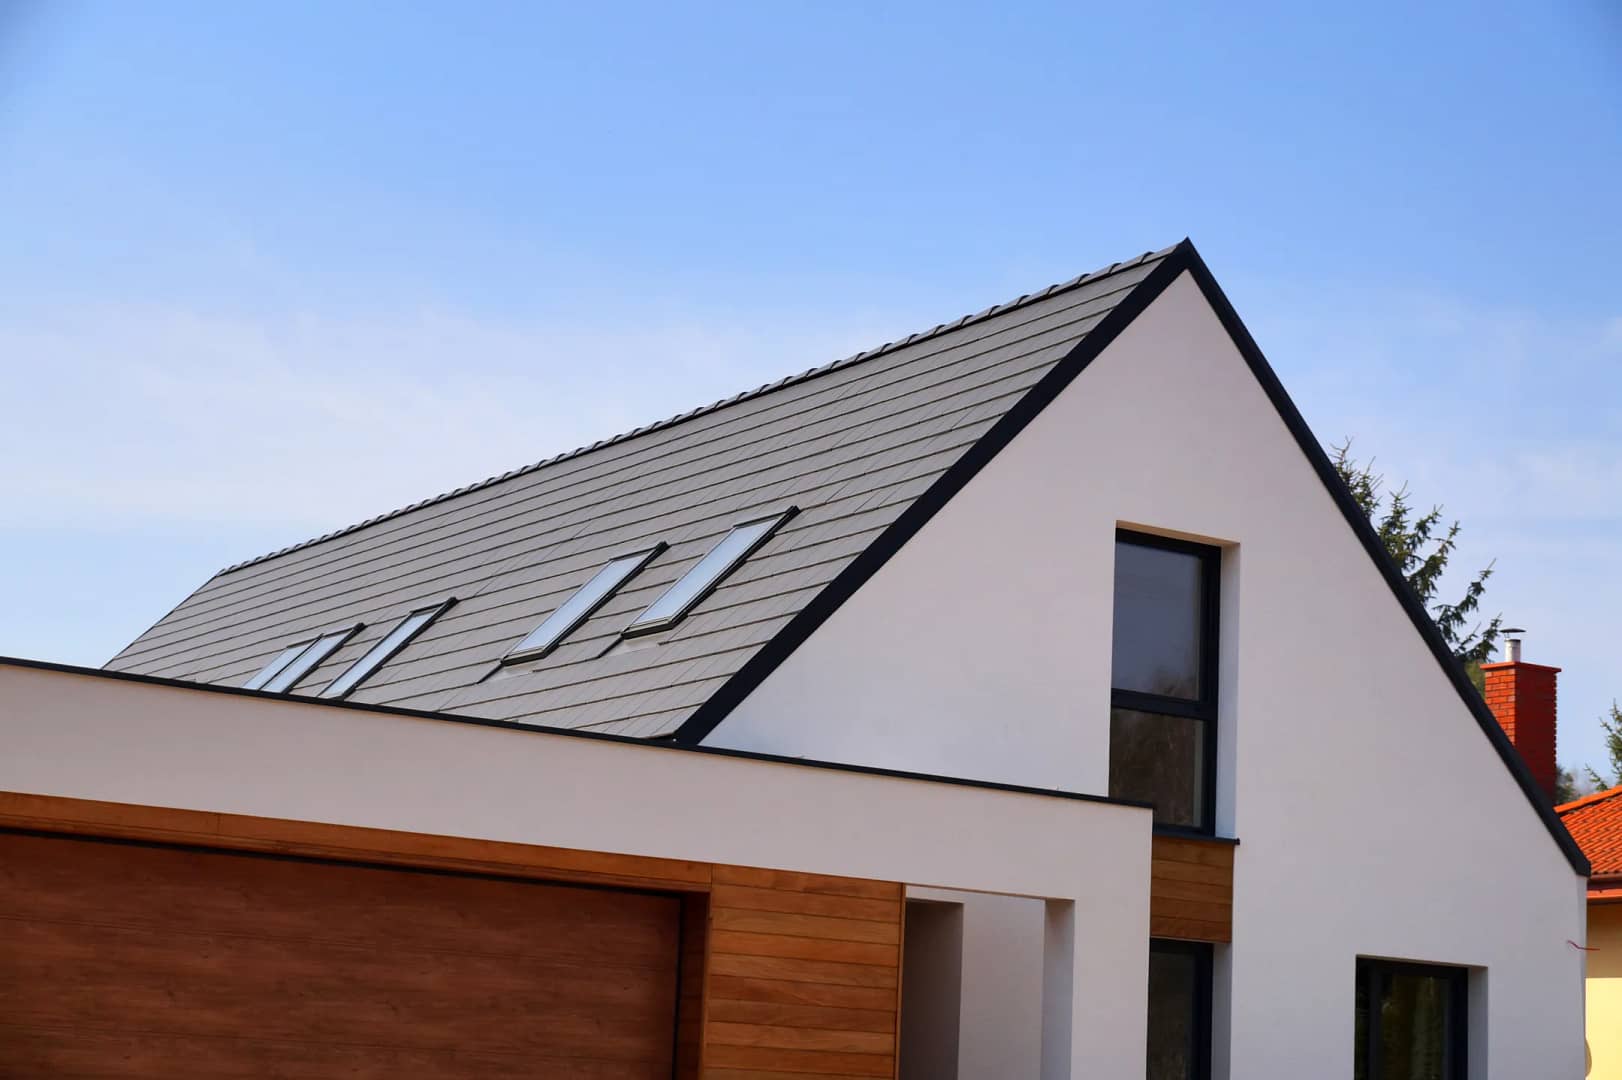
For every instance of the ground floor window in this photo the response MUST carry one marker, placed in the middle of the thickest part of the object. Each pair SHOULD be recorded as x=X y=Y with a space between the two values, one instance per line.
x=1410 y=1022
x=1179 y=1010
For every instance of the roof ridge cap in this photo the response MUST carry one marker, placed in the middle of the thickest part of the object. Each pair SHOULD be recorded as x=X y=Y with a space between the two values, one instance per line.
x=1589 y=799
x=704 y=410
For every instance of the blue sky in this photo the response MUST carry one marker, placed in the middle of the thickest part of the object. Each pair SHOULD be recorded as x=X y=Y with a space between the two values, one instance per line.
x=271 y=269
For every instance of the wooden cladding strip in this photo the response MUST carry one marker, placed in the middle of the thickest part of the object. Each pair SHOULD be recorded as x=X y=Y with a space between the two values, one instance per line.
x=813 y=971
x=798 y=903
x=793 y=991
x=789 y=881
x=793 y=1037
x=806 y=926
x=739 y=943
x=816 y=1062
x=826 y=1017
x=1191 y=889
x=238 y=832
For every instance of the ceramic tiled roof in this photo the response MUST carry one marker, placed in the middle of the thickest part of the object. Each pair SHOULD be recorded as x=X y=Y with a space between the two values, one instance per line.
x=1595 y=822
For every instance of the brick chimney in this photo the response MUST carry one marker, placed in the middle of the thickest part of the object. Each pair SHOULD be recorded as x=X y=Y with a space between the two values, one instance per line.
x=1522 y=697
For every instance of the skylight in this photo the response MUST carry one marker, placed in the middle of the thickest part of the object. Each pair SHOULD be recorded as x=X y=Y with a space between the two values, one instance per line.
x=268 y=672
x=297 y=661
x=578 y=608
x=379 y=654
x=707 y=573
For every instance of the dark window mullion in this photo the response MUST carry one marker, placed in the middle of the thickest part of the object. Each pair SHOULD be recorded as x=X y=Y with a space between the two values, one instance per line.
x=1138 y=701
x=1210 y=638
x=1199 y=707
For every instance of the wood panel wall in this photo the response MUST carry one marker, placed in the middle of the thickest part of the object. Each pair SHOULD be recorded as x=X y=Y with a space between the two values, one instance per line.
x=804 y=975
x=1191 y=889
x=155 y=961
x=782 y=974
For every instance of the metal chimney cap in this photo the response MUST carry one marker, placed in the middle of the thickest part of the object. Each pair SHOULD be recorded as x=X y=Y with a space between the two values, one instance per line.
x=1512 y=647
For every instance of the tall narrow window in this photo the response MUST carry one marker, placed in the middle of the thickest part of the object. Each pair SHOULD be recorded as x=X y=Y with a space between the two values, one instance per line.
x=291 y=666
x=1411 y=1022
x=1163 y=705
x=707 y=573
x=391 y=643
x=1179 y=1010
x=578 y=608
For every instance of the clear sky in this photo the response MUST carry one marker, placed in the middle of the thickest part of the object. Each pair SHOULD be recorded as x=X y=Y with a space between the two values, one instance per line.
x=269 y=269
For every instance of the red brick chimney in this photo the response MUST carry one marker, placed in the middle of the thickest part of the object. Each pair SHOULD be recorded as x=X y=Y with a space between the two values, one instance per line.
x=1522 y=697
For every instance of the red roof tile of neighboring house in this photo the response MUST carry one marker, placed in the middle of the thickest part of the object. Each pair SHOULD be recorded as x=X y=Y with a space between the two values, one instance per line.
x=1595 y=822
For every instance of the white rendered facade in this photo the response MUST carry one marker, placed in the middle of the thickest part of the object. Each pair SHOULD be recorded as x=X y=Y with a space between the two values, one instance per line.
x=1375 y=819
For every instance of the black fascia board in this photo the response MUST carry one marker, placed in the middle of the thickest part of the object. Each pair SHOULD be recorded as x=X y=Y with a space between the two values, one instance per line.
x=1359 y=522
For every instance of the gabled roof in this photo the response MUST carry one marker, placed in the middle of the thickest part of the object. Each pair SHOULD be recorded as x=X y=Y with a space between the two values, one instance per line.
x=852 y=445
x=1595 y=822
x=868 y=449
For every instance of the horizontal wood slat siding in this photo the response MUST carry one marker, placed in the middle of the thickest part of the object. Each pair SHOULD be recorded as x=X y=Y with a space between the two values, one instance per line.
x=1191 y=889
x=154 y=961
x=805 y=976
x=783 y=974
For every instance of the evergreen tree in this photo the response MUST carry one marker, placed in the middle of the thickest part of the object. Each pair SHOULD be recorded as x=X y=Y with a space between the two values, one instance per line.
x=1421 y=548
x=1612 y=725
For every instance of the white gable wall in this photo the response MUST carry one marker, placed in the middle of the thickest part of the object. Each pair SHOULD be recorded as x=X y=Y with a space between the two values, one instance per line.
x=1374 y=816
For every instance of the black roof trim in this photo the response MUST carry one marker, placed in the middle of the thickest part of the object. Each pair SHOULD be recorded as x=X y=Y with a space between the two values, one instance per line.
x=1410 y=601
x=704 y=410
x=754 y=671
x=514 y=725
x=1180 y=258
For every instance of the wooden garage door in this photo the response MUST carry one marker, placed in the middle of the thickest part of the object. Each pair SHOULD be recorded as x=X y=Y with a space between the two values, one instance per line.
x=135 y=960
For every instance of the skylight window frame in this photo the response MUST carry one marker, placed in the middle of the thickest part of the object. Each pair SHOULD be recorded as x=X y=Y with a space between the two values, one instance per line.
x=277 y=663
x=343 y=634
x=641 y=625
x=522 y=654
x=434 y=611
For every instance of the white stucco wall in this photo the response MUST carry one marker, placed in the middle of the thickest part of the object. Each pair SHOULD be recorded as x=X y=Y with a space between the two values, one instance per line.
x=88 y=736
x=1374 y=816
x=1000 y=975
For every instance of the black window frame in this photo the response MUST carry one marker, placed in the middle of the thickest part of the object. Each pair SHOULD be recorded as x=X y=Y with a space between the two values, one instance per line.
x=344 y=635
x=433 y=611
x=1369 y=973
x=520 y=654
x=1203 y=708
x=1200 y=1032
x=774 y=523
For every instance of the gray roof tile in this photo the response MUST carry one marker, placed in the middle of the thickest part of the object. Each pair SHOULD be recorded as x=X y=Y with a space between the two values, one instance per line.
x=852 y=443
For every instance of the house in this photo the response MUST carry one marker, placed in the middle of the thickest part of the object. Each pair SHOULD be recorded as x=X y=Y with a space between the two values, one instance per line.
x=1024 y=697
x=1524 y=697
x=1596 y=823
